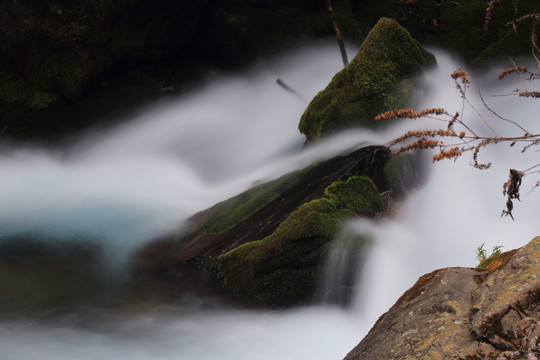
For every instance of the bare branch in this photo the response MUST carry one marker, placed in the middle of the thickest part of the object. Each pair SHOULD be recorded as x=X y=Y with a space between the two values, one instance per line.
x=496 y=114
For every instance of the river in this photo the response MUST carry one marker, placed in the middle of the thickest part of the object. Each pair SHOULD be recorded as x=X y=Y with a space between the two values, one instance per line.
x=117 y=188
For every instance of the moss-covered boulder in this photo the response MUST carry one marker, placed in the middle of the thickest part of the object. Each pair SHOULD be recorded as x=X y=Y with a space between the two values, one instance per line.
x=296 y=215
x=284 y=267
x=267 y=245
x=376 y=80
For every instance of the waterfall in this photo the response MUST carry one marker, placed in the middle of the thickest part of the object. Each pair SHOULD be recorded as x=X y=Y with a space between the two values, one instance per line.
x=343 y=266
x=122 y=186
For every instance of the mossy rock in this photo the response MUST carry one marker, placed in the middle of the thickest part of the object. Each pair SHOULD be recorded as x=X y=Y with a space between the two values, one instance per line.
x=357 y=194
x=376 y=80
x=257 y=212
x=283 y=268
x=227 y=214
x=268 y=244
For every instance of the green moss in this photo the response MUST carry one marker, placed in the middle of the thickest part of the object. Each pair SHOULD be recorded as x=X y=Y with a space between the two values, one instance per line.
x=283 y=268
x=280 y=268
x=372 y=83
x=227 y=214
x=358 y=194
x=496 y=260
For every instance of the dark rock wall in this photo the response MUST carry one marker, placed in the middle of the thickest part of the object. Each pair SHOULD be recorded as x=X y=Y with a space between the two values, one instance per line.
x=59 y=55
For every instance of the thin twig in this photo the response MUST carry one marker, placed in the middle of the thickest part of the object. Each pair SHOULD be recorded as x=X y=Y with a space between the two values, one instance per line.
x=499 y=116
x=338 y=34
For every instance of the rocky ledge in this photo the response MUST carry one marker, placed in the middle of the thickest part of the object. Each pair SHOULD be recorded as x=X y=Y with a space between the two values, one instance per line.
x=464 y=313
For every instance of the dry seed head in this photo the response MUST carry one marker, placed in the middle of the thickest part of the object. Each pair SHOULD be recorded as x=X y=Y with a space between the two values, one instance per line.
x=431 y=111
x=418 y=145
x=422 y=134
x=511 y=190
x=397 y=113
x=533 y=94
x=453 y=153
x=461 y=74
x=512 y=70
x=408 y=113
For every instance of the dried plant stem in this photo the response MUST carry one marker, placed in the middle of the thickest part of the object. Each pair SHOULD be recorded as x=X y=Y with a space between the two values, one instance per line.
x=499 y=116
x=467 y=141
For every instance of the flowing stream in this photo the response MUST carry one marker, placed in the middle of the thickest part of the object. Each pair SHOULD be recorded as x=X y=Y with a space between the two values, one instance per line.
x=117 y=188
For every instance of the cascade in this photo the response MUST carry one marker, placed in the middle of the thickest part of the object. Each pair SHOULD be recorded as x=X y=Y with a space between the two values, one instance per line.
x=120 y=187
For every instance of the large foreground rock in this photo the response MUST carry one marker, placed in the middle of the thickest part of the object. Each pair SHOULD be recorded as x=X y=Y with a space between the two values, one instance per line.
x=463 y=313
x=376 y=80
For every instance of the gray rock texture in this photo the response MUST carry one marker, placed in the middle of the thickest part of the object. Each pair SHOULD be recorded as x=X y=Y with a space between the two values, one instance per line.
x=464 y=313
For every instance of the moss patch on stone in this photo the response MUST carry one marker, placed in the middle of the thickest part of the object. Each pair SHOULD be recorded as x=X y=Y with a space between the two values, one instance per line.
x=495 y=262
x=357 y=194
x=227 y=214
x=283 y=268
x=374 y=81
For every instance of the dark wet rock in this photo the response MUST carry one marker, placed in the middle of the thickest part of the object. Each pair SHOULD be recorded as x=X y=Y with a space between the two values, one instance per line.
x=463 y=313
x=47 y=276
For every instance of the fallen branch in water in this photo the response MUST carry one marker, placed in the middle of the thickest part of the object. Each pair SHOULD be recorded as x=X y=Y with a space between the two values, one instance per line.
x=286 y=87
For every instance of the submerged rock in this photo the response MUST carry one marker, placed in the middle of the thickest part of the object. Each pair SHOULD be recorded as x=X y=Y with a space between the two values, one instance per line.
x=268 y=244
x=463 y=313
x=44 y=276
x=376 y=80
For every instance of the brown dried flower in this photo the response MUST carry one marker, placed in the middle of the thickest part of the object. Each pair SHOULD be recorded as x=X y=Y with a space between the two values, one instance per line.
x=408 y=113
x=461 y=74
x=511 y=189
x=533 y=94
x=452 y=153
x=512 y=70
x=420 y=144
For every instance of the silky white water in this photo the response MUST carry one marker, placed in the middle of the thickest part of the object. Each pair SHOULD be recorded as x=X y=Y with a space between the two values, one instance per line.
x=121 y=187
